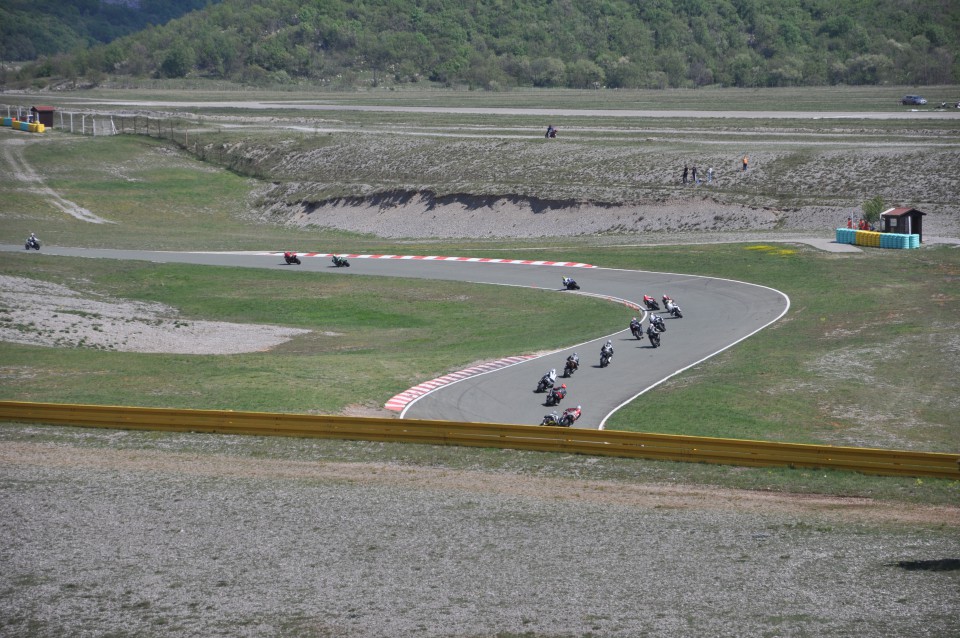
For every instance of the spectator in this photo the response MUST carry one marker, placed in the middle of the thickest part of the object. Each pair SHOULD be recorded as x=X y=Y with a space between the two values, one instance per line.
x=685 y=172
x=746 y=161
x=710 y=175
x=694 y=175
x=849 y=222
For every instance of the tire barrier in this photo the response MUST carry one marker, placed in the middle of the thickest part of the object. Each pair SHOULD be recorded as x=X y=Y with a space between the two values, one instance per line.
x=873 y=239
x=30 y=127
x=665 y=447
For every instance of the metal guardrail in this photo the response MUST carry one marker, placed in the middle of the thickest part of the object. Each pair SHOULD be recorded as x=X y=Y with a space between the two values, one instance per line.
x=666 y=447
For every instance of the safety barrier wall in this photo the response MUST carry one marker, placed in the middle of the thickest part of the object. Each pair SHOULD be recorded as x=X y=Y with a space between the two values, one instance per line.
x=30 y=127
x=546 y=439
x=877 y=240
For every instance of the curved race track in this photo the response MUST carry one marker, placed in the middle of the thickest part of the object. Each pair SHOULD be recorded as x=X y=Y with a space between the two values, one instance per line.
x=717 y=314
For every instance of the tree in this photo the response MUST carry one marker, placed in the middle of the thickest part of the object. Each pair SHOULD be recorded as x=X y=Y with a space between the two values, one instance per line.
x=872 y=209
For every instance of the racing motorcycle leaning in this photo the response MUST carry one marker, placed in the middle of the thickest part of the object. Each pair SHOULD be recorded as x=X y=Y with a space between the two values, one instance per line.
x=291 y=258
x=547 y=381
x=572 y=365
x=32 y=242
x=606 y=354
x=565 y=420
x=570 y=284
x=674 y=310
x=569 y=416
x=657 y=322
x=636 y=328
x=557 y=394
x=340 y=262
x=650 y=303
x=654 y=336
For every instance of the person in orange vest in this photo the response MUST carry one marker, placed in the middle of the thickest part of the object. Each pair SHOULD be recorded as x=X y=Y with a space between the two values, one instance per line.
x=746 y=161
x=849 y=222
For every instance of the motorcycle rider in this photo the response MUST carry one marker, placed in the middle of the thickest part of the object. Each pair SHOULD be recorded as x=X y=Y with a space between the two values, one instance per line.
x=568 y=282
x=574 y=413
x=650 y=302
x=653 y=334
x=607 y=349
x=547 y=380
x=635 y=326
x=657 y=322
x=33 y=240
x=559 y=394
x=572 y=365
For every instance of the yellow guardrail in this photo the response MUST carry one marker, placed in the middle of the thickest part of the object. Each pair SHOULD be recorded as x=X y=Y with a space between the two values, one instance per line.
x=666 y=447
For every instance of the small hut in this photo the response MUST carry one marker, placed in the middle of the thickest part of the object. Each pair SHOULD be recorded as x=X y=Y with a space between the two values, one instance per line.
x=906 y=221
x=43 y=115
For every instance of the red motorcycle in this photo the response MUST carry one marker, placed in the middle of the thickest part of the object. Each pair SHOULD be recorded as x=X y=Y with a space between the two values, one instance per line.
x=291 y=258
x=569 y=416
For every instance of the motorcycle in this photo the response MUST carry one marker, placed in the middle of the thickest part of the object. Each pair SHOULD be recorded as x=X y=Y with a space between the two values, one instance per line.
x=674 y=310
x=547 y=381
x=570 y=284
x=569 y=416
x=657 y=322
x=340 y=262
x=654 y=337
x=636 y=328
x=650 y=303
x=606 y=354
x=570 y=367
x=32 y=242
x=291 y=258
x=551 y=419
x=557 y=395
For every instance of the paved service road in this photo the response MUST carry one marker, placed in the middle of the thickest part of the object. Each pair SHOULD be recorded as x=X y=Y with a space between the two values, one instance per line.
x=717 y=314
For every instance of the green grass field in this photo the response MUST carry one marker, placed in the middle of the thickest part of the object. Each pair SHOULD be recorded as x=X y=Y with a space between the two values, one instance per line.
x=866 y=356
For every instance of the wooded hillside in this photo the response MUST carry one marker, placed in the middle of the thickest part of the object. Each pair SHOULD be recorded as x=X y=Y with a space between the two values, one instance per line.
x=496 y=44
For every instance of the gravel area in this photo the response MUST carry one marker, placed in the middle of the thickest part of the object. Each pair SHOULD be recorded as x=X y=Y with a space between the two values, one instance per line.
x=45 y=314
x=240 y=536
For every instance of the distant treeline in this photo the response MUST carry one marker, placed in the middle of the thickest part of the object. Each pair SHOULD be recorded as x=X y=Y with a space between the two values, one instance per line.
x=497 y=44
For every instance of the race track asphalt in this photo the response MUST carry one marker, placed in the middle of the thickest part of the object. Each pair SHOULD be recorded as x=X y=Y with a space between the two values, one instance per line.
x=718 y=313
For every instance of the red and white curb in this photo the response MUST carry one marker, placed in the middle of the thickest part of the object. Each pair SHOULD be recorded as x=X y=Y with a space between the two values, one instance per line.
x=474 y=260
x=399 y=402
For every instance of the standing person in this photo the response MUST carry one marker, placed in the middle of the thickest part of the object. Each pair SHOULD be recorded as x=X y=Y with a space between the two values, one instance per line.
x=710 y=175
x=685 y=171
x=746 y=161
x=693 y=173
x=850 y=222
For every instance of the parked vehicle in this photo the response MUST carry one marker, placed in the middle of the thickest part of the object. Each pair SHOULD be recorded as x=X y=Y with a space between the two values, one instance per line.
x=910 y=100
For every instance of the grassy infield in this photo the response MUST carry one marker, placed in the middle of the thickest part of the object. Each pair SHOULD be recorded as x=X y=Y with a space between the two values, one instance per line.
x=866 y=356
